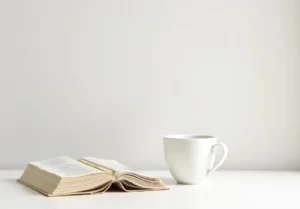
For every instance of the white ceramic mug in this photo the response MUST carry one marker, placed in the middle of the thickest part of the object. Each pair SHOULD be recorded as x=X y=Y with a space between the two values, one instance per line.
x=191 y=157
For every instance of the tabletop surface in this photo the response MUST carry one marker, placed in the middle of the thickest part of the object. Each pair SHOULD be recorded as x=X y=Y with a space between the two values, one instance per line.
x=223 y=189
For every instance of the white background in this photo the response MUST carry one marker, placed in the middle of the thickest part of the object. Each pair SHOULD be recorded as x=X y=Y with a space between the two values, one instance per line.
x=110 y=78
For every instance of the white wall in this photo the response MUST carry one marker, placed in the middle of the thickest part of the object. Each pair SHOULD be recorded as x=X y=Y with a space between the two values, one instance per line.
x=110 y=78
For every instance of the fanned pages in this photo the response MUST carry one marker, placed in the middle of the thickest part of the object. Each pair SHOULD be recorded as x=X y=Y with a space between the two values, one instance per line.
x=66 y=176
x=126 y=179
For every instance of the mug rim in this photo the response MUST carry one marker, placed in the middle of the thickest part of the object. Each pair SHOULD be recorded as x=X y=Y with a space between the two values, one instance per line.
x=189 y=136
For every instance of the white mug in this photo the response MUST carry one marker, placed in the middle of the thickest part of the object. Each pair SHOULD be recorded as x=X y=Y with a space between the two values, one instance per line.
x=191 y=157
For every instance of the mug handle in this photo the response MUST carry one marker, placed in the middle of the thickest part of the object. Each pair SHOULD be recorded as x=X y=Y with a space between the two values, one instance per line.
x=214 y=151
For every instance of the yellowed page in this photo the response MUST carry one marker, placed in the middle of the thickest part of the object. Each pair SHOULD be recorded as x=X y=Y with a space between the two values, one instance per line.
x=66 y=167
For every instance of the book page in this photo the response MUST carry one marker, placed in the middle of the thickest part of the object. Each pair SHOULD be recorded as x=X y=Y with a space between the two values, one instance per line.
x=110 y=166
x=66 y=167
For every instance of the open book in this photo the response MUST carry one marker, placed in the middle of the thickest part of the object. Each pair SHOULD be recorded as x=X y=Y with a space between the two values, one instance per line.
x=66 y=176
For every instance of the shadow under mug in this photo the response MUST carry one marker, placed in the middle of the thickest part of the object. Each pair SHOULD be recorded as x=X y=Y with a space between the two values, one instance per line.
x=191 y=158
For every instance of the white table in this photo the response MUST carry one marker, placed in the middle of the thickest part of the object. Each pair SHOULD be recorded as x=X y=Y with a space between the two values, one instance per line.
x=222 y=190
